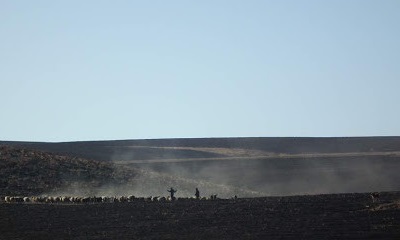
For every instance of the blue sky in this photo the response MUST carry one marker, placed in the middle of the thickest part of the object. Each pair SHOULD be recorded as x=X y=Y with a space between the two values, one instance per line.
x=97 y=70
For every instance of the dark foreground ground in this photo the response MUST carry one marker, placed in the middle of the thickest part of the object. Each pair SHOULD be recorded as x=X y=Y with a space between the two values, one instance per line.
x=343 y=216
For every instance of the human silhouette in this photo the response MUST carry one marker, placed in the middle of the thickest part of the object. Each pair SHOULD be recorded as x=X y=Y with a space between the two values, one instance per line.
x=197 y=194
x=172 y=191
x=375 y=196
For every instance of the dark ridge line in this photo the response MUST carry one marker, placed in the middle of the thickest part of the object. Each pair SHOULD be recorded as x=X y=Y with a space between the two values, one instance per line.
x=205 y=138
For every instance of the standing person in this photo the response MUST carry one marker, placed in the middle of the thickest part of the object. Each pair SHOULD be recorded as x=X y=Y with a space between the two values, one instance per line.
x=172 y=191
x=197 y=194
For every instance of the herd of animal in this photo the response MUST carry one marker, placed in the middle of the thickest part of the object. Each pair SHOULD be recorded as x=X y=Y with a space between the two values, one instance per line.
x=375 y=197
x=94 y=199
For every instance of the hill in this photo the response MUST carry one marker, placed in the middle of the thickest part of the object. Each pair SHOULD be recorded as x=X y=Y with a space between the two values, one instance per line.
x=30 y=172
x=335 y=216
x=271 y=166
x=152 y=149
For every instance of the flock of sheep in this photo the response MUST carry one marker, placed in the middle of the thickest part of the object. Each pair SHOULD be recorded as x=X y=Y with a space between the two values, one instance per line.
x=94 y=199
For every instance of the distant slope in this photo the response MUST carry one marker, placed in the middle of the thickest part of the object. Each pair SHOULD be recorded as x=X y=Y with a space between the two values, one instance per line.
x=243 y=166
x=123 y=150
x=31 y=172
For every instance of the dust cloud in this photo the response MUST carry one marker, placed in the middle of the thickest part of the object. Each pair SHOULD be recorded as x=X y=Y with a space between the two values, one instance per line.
x=244 y=177
x=281 y=177
x=148 y=183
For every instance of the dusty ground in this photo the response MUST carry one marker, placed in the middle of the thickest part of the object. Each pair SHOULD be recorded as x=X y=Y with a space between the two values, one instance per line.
x=335 y=216
x=271 y=166
x=323 y=166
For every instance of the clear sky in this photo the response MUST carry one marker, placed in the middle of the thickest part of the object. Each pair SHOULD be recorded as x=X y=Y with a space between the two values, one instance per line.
x=97 y=70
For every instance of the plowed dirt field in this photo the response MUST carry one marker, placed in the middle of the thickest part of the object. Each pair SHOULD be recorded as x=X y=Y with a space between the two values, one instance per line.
x=333 y=216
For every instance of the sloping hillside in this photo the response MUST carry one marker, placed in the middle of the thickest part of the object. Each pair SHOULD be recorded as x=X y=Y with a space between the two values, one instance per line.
x=123 y=150
x=31 y=172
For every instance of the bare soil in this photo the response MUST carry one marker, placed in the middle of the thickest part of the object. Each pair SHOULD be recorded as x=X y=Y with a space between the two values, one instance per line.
x=334 y=216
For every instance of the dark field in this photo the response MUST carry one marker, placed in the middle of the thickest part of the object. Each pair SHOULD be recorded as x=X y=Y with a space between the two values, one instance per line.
x=246 y=167
x=344 y=216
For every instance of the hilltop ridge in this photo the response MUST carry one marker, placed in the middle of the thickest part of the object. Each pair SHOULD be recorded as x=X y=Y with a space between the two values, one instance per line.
x=148 y=149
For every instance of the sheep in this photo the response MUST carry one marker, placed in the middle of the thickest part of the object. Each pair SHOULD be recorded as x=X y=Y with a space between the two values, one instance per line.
x=214 y=197
x=115 y=199
x=148 y=199
x=74 y=199
x=11 y=199
x=105 y=199
x=85 y=200
x=38 y=199
x=131 y=198
x=78 y=199
x=119 y=199
x=17 y=199
x=122 y=199
x=95 y=199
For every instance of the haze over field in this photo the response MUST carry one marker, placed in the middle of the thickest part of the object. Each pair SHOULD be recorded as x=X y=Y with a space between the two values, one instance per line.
x=247 y=167
x=98 y=70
